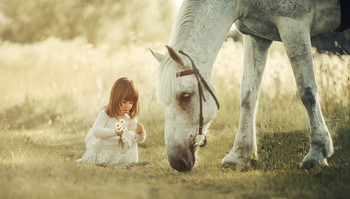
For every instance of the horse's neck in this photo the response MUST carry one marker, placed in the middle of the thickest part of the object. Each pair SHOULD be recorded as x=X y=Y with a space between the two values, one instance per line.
x=201 y=28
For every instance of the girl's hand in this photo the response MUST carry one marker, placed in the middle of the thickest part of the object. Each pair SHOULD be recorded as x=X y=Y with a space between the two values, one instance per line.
x=139 y=128
x=118 y=133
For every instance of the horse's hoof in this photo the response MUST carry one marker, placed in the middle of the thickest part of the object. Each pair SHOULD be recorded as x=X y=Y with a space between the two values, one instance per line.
x=310 y=163
x=234 y=163
x=314 y=157
x=252 y=164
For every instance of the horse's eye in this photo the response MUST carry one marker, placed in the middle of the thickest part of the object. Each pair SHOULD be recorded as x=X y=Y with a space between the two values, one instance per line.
x=185 y=97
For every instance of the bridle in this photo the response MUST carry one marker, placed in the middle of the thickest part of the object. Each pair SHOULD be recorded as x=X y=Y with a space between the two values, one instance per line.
x=200 y=81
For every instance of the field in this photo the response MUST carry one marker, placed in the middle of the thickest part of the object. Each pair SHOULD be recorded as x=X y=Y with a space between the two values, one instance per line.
x=53 y=82
x=51 y=92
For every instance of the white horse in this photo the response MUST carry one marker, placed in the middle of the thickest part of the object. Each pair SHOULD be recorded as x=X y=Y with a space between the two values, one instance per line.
x=199 y=31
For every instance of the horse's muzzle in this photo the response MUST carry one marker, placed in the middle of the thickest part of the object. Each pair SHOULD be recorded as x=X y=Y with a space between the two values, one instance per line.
x=182 y=159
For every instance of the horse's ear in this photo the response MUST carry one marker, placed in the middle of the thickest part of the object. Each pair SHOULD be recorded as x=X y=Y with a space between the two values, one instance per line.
x=159 y=57
x=176 y=57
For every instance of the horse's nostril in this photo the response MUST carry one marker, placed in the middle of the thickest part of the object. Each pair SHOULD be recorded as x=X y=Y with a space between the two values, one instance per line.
x=180 y=165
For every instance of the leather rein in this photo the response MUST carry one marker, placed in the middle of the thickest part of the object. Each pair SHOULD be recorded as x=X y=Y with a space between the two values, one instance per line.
x=200 y=81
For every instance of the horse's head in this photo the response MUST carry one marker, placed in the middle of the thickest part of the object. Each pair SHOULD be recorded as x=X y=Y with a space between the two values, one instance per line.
x=187 y=96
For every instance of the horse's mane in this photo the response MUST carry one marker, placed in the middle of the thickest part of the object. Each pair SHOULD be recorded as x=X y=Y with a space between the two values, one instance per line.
x=184 y=22
x=168 y=68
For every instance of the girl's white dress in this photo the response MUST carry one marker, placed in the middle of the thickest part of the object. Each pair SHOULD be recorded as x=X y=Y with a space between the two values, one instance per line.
x=103 y=146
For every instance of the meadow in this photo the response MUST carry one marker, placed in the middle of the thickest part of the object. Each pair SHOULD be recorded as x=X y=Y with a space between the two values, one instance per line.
x=52 y=90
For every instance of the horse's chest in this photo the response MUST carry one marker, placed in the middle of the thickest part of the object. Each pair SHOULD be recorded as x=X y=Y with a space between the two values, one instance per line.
x=258 y=27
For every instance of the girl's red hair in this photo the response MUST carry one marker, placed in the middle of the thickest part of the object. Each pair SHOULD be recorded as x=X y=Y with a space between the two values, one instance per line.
x=123 y=89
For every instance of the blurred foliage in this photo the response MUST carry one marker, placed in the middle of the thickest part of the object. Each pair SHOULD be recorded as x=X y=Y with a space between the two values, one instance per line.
x=117 y=22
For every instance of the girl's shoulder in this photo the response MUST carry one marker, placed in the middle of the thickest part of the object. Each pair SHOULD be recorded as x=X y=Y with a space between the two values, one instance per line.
x=103 y=113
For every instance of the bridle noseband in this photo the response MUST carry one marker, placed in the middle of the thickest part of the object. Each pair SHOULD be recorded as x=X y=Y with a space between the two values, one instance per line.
x=200 y=81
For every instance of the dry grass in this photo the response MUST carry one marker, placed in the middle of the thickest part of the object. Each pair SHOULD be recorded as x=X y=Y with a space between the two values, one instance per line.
x=51 y=92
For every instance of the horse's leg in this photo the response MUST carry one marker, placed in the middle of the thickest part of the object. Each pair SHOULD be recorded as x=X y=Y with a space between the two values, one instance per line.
x=296 y=39
x=255 y=53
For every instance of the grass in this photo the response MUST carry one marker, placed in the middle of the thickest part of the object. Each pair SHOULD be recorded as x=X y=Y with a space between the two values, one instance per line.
x=51 y=92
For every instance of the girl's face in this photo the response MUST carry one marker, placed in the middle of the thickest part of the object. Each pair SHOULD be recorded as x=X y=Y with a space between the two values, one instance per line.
x=126 y=106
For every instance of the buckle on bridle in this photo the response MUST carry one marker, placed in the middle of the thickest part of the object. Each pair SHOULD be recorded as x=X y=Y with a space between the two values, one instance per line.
x=200 y=140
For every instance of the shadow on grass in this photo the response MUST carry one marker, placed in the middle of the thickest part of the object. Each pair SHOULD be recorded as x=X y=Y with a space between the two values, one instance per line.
x=277 y=173
x=280 y=154
x=285 y=150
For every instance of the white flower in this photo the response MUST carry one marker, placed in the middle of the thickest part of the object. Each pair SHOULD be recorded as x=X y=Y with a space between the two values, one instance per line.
x=127 y=116
x=120 y=125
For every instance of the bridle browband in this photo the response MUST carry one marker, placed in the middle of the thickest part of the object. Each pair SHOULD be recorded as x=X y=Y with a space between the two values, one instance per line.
x=200 y=81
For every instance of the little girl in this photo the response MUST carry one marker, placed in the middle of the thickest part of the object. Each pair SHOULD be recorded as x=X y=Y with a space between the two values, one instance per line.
x=112 y=140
